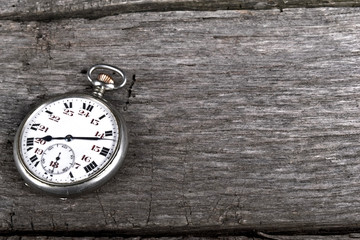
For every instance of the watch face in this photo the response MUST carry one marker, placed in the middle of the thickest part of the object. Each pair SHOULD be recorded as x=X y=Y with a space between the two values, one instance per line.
x=68 y=140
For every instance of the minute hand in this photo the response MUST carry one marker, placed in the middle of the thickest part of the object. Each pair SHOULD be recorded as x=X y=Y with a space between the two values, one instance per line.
x=90 y=138
x=69 y=138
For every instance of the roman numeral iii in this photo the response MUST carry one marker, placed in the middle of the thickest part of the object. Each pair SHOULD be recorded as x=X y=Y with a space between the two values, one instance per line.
x=104 y=151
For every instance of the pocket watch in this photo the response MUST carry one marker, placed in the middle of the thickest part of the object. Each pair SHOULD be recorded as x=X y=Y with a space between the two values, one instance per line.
x=75 y=142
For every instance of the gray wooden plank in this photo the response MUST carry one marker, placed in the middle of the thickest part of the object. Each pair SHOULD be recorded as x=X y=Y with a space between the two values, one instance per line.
x=127 y=238
x=261 y=236
x=239 y=121
x=44 y=10
x=351 y=236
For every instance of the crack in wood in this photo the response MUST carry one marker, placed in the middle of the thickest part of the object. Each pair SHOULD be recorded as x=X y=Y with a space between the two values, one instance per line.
x=187 y=207
x=173 y=233
x=151 y=190
x=11 y=223
x=85 y=9
x=129 y=95
x=112 y=214
x=270 y=237
x=101 y=207
x=32 y=224
x=52 y=222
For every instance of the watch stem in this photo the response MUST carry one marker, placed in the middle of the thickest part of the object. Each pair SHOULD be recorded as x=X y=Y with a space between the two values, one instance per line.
x=99 y=91
x=102 y=77
x=105 y=78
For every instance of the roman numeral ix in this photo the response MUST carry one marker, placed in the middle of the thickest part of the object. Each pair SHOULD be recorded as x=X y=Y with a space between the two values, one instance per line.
x=30 y=142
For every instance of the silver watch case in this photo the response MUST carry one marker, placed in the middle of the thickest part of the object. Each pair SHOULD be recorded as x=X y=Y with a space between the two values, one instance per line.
x=93 y=182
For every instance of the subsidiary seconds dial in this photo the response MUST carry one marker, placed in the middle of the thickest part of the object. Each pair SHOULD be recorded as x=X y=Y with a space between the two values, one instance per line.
x=57 y=159
x=69 y=139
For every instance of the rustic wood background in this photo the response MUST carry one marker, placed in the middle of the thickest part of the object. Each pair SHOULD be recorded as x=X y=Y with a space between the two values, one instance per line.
x=243 y=121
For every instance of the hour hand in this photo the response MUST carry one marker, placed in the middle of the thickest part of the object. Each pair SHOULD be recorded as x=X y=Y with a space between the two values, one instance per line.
x=47 y=138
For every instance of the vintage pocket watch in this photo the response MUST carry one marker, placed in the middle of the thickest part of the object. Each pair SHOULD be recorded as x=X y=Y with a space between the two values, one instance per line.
x=75 y=142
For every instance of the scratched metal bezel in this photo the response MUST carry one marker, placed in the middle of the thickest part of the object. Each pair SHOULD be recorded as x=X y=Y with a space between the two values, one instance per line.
x=98 y=179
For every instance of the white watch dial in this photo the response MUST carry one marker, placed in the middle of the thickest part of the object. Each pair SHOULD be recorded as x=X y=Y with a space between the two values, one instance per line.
x=69 y=140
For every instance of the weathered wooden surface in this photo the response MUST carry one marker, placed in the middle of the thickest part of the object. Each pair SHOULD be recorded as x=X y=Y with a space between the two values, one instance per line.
x=46 y=10
x=240 y=121
x=259 y=237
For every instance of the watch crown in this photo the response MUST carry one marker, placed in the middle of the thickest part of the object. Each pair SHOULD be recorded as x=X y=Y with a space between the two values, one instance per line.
x=105 y=78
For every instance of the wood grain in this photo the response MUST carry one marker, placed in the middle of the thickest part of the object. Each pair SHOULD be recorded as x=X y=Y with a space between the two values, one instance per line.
x=240 y=121
x=45 y=10
x=260 y=236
